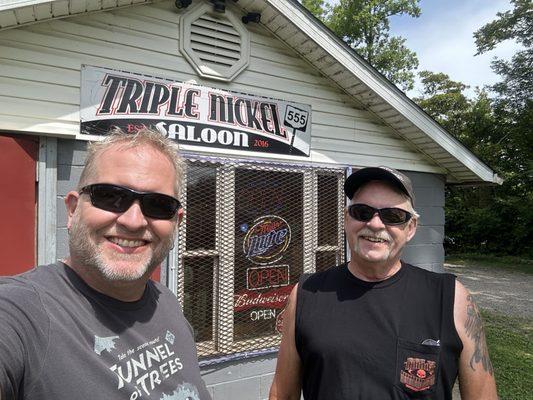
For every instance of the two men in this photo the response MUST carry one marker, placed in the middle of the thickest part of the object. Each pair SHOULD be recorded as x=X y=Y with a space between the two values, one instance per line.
x=95 y=326
x=376 y=327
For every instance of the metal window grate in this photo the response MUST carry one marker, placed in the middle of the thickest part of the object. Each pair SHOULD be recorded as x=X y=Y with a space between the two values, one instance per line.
x=249 y=232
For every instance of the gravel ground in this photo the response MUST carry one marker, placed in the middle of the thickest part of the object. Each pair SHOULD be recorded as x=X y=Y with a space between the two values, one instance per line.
x=494 y=289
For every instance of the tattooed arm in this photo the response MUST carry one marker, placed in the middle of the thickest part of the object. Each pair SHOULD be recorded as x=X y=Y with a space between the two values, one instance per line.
x=287 y=379
x=476 y=375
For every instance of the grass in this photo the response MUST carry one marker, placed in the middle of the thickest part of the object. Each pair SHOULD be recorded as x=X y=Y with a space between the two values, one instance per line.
x=511 y=352
x=508 y=337
x=509 y=263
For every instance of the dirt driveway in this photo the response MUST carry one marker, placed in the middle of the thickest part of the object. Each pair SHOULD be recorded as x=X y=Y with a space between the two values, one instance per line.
x=495 y=289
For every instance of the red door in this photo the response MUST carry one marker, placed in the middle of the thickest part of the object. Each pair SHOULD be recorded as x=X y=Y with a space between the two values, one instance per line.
x=18 y=158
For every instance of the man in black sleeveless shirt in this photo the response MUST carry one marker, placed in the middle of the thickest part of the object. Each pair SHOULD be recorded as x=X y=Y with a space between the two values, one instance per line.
x=376 y=327
x=94 y=326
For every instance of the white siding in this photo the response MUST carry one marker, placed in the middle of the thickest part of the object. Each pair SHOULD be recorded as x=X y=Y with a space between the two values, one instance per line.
x=40 y=80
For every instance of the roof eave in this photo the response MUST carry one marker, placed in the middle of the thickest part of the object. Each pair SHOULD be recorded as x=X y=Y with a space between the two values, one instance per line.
x=338 y=49
x=382 y=90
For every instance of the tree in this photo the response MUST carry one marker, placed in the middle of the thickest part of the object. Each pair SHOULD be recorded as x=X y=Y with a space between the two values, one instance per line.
x=476 y=217
x=444 y=100
x=471 y=120
x=513 y=104
x=516 y=24
x=317 y=7
x=364 y=26
x=499 y=130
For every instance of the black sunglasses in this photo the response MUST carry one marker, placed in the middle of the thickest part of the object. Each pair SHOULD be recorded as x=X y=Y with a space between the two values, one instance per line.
x=118 y=199
x=389 y=216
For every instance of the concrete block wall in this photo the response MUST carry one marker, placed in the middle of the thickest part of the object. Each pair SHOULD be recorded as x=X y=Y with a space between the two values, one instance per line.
x=245 y=379
x=426 y=249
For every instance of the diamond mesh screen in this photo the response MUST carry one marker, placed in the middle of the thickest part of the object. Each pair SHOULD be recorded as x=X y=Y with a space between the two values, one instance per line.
x=330 y=221
x=248 y=234
x=268 y=248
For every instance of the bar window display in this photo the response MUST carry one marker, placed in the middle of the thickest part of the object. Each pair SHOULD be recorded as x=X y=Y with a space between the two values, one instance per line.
x=249 y=232
x=268 y=248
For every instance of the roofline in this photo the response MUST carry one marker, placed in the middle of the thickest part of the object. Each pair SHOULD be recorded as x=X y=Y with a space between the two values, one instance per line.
x=318 y=32
x=10 y=4
x=384 y=88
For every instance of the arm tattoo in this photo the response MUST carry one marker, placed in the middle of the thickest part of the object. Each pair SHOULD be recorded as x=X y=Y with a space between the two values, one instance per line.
x=474 y=330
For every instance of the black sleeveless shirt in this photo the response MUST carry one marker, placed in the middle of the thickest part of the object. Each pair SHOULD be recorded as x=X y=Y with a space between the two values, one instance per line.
x=394 y=339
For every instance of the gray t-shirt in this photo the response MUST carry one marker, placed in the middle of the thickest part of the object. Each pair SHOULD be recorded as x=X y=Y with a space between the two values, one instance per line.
x=62 y=340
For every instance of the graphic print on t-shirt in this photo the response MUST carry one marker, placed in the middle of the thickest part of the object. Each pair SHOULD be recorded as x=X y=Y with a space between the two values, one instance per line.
x=104 y=343
x=183 y=392
x=418 y=374
x=141 y=369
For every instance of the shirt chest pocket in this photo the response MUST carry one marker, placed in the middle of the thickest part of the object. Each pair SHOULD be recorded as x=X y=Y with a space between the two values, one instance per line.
x=417 y=369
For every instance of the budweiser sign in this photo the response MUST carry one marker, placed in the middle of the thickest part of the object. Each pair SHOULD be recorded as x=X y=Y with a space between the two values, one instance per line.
x=246 y=299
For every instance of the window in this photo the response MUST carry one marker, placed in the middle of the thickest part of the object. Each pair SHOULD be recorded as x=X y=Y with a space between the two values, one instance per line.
x=249 y=232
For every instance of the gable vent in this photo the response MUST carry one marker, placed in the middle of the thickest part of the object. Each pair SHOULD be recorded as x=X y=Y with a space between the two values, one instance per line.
x=216 y=45
x=215 y=41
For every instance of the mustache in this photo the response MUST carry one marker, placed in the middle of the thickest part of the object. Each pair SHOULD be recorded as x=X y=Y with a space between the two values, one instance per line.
x=383 y=235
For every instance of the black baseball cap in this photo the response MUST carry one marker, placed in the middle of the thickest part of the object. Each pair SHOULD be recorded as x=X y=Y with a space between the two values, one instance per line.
x=364 y=175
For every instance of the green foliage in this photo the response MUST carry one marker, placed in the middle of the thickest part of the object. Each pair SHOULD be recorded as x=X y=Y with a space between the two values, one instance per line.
x=513 y=104
x=364 y=26
x=517 y=24
x=514 y=24
x=492 y=219
x=501 y=227
x=516 y=87
x=317 y=7
x=510 y=349
x=485 y=219
x=394 y=60
x=499 y=130
x=444 y=100
x=483 y=260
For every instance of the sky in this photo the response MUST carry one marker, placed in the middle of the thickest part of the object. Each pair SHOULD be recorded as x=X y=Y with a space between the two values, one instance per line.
x=443 y=39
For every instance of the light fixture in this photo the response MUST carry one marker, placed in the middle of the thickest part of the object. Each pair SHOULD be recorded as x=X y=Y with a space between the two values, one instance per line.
x=252 y=17
x=219 y=5
x=182 y=3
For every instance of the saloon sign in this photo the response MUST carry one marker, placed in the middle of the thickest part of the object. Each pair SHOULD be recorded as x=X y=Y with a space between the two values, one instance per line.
x=191 y=114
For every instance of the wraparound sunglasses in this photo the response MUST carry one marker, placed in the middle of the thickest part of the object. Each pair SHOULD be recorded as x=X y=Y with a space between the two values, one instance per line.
x=118 y=199
x=389 y=216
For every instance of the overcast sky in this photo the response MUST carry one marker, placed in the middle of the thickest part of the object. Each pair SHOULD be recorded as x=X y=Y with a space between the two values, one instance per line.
x=443 y=39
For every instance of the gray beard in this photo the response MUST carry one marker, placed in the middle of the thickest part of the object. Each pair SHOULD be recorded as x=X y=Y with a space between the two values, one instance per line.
x=87 y=255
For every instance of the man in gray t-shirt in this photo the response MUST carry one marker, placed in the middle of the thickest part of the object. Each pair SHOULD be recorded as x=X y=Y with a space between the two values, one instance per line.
x=94 y=326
